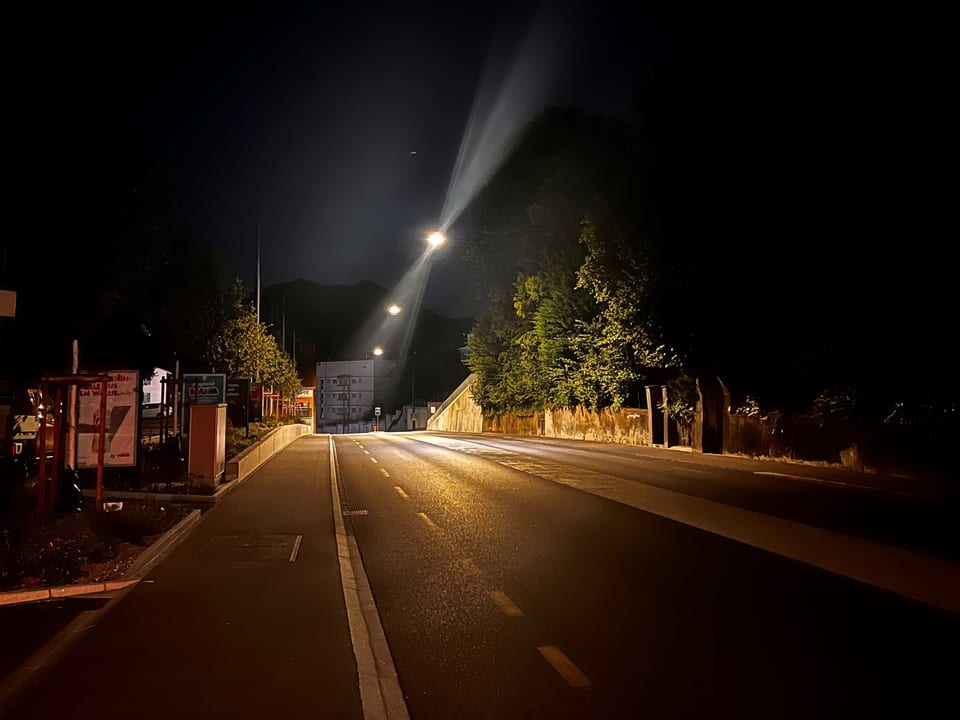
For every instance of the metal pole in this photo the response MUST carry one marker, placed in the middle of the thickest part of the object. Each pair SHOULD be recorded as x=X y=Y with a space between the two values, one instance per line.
x=176 y=396
x=57 y=445
x=42 y=452
x=258 y=272
x=71 y=443
x=103 y=438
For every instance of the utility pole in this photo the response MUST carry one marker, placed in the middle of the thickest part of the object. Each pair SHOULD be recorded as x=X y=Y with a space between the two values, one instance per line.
x=283 y=322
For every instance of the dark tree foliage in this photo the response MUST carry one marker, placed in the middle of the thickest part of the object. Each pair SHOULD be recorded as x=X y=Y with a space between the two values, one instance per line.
x=100 y=257
x=774 y=198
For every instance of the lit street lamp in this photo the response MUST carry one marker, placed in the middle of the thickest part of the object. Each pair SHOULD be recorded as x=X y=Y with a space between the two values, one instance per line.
x=436 y=239
x=378 y=351
x=394 y=309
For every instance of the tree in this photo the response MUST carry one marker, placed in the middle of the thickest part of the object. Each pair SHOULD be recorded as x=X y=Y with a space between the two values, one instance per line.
x=618 y=349
x=245 y=348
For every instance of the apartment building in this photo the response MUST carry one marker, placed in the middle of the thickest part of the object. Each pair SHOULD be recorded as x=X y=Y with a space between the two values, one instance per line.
x=347 y=392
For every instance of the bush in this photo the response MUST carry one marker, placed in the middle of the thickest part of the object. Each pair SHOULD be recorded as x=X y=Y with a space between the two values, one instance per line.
x=134 y=523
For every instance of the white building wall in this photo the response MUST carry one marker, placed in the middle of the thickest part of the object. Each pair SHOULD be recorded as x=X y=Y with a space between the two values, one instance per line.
x=349 y=390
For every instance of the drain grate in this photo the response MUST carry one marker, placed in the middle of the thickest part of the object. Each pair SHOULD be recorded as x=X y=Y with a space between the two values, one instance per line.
x=349 y=513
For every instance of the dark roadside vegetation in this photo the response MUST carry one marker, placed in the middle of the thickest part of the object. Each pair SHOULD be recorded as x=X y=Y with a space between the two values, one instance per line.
x=74 y=544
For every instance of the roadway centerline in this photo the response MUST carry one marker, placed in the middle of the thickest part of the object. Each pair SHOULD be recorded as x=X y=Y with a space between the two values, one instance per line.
x=296 y=548
x=564 y=666
x=430 y=523
x=374 y=460
x=380 y=693
x=384 y=471
x=507 y=605
x=470 y=566
x=400 y=492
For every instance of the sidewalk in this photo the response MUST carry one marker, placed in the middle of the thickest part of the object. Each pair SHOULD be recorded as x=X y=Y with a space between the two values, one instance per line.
x=250 y=599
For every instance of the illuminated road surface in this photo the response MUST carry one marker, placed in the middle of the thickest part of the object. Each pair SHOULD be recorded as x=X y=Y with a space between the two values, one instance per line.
x=529 y=579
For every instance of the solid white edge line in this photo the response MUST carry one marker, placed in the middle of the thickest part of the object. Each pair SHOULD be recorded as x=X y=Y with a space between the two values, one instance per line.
x=380 y=692
x=296 y=548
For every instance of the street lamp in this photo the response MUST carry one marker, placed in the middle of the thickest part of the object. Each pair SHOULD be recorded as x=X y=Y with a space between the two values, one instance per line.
x=436 y=239
x=378 y=351
x=394 y=309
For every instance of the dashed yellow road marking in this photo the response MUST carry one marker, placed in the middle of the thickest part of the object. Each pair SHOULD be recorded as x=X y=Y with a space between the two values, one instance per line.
x=430 y=523
x=471 y=567
x=400 y=492
x=504 y=603
x=366 y=452
x=384 y=471
x=373 y=459
x=564 y=665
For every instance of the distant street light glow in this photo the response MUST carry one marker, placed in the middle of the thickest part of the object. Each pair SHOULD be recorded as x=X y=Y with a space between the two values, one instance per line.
x=436 y=239
x=394 y=309
x=378 y=350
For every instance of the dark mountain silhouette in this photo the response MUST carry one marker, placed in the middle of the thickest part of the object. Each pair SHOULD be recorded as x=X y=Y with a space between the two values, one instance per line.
x=345 y=322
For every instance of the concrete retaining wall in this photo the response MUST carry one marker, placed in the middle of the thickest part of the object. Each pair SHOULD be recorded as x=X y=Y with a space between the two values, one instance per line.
x=269 y=445
x=459 y=412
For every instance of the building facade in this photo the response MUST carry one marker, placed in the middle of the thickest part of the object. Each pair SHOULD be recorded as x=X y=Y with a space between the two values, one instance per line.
x=349 y=391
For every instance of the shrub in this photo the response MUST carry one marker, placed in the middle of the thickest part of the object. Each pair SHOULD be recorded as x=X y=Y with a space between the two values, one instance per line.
x=135 y=522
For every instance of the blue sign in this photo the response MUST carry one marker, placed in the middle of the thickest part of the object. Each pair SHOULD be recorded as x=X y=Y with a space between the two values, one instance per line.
x=204 y=389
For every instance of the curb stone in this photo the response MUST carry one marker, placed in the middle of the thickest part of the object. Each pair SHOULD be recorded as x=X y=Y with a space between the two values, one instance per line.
x=144 y=562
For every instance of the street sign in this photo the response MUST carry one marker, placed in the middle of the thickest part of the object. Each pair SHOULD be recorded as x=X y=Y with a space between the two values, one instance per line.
x=376 y=411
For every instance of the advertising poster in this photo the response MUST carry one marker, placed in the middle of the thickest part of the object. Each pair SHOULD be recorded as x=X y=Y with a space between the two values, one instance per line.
x=204 y=389
x=256 y=402
x=122 y=418
x=238 y=399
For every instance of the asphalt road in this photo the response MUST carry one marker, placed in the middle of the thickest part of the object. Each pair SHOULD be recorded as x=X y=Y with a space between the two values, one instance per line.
x=523 y=579
x=506 y=594
x=227 y=626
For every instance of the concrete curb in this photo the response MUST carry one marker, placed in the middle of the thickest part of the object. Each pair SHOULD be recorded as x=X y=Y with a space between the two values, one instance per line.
x=178 y=498
x=141 y=566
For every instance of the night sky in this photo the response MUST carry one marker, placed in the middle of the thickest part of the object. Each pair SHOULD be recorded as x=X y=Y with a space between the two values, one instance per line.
x=334 y=126
x=304 y=117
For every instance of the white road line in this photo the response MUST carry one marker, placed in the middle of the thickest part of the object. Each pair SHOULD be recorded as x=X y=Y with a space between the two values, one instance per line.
x=507 y=605
x=374 y=460
x=428 y=521
x=819 y=481
x=296 y=548
x=365 y=452
x=384 y=471
x=564 y=665
x=400 y=492
x=927 y=578
x=380 y=693
x=470 y=566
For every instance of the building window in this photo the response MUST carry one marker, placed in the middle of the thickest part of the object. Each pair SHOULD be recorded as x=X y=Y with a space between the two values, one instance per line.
x=353 y=380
